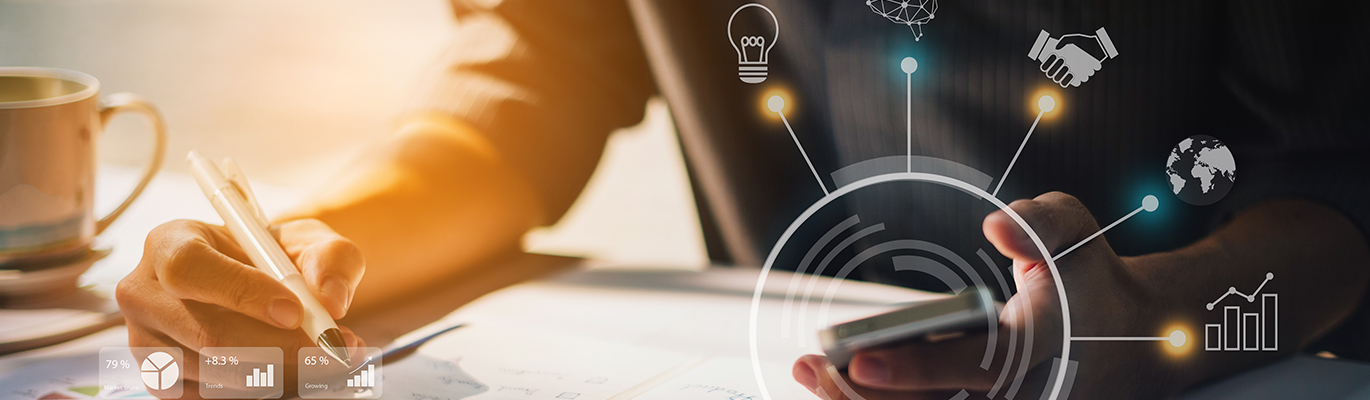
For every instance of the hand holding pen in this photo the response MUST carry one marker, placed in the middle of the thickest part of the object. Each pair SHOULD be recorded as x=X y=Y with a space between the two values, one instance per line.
x=196 y=287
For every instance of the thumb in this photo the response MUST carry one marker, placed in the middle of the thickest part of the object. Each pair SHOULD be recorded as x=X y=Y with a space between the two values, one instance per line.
x=331 y=264
x=1059 y=220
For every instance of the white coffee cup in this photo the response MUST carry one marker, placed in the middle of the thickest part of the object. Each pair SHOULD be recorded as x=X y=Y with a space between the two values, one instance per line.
x=50 y=120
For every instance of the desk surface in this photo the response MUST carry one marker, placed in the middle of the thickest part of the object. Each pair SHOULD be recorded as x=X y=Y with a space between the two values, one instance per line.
x=703 y=314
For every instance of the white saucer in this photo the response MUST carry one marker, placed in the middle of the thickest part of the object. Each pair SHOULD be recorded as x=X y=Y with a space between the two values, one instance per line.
x=48 y=281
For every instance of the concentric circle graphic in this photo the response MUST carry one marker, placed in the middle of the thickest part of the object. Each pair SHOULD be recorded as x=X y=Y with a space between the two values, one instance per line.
x=1059 y=376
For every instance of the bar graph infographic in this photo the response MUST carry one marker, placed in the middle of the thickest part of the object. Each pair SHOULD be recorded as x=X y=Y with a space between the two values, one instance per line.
x=366 y=379
x=1250 y=326
x=241 y=373
x=262 y=379
x=323 y=377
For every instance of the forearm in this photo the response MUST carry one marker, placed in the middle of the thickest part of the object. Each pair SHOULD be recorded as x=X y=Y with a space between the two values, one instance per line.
x=432 y=201
x=1320 y=264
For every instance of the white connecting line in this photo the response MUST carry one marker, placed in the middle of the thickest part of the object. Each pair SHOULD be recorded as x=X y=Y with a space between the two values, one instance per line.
x=1096 y=234
x=1249 y=298
x=777 y=105
x=1119 y=339
x=781 y=110
x=1149 y=203
x=908 y=117
x=1177 y=338
x=1015 y=154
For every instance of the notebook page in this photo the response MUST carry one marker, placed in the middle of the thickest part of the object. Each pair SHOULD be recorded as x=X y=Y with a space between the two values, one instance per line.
x=727 y=379
x=489 y=363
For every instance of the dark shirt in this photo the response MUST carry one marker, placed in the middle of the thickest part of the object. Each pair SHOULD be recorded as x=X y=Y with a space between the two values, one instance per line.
x=1280 y=82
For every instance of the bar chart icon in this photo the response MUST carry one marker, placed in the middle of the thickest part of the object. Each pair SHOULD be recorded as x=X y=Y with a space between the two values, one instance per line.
x=1246 y=331
x=262 y=379
x=365 y=379
x=333 y=380
x=241 y=373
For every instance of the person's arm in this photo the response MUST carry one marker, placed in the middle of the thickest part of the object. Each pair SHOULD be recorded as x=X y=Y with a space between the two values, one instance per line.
x=1321 y=268
x=509 y=131
x=434 y=200
x=1320 y=260
x=502 y=138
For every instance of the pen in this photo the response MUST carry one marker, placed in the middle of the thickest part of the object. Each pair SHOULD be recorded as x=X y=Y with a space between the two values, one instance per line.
x=235 y=203
x=399 y=350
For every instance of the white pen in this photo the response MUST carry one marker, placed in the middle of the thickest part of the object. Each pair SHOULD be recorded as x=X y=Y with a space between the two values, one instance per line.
x=242 y=215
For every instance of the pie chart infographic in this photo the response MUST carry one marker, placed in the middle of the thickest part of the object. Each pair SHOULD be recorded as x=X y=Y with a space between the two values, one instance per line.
x=160 y=371
x=140 y=373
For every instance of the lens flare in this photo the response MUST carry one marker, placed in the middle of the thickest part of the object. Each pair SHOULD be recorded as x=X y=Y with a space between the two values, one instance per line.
x=1046 y=104
x=1048 y=101
x=775 y=98
x=1179 y=345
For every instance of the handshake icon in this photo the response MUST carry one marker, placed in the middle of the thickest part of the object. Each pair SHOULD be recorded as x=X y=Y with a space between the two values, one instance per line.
x=1071 y=59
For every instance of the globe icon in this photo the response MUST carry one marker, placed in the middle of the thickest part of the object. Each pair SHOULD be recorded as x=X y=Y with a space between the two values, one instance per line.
x=1201 y=170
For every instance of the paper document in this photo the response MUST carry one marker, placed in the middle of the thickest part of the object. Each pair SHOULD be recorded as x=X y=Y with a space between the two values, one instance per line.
x=722 y=379
x=486 y=363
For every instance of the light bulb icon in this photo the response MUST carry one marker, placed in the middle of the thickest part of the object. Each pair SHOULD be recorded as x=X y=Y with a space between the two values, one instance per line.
x=753 y=46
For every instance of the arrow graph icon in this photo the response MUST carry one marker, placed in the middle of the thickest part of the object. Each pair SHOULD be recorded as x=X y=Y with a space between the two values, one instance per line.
x=1245 y=331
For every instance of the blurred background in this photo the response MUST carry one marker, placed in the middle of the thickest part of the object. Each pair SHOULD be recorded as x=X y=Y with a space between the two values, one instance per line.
x=293 y=90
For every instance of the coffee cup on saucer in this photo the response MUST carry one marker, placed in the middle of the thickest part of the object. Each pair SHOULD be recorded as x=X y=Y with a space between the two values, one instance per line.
x=50 y=120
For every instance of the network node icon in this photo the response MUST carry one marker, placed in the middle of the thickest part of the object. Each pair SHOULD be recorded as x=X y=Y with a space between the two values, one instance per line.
x=1071 y=59
x=752 y=43
x=911 y=13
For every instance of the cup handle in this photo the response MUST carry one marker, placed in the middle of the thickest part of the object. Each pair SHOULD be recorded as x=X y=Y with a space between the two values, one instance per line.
x=121 y=102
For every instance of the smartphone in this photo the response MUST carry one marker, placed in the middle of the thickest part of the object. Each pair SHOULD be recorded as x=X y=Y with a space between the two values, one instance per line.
x=930 y=321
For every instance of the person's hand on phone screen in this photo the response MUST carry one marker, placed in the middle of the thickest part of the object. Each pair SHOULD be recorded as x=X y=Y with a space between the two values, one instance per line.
x=196 y=288
x=1100 y=283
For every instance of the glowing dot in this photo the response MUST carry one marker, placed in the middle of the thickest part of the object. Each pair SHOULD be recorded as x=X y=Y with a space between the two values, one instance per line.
x=909 y=65
x=1046 y=103
x=776 y=103
x=1176 y=342
x=1269 y=275
x=1177 y=338
x=1150 y=203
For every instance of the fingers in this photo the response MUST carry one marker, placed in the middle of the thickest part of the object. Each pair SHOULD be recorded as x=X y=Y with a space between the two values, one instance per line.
x=806 y=369
x=142 y=336
x=1052 y=63
x=821 y=378
x=945 y=365
x=331 y=264
x=198 y=325
x=1059 y=219
x=924 y=366
x=193 y=289
x=190 y=264
x=1070 y=66
x=1066 y=78
x=941 y=369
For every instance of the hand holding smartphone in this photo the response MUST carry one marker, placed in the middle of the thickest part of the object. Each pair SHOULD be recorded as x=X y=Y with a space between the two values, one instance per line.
x=935 y=320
